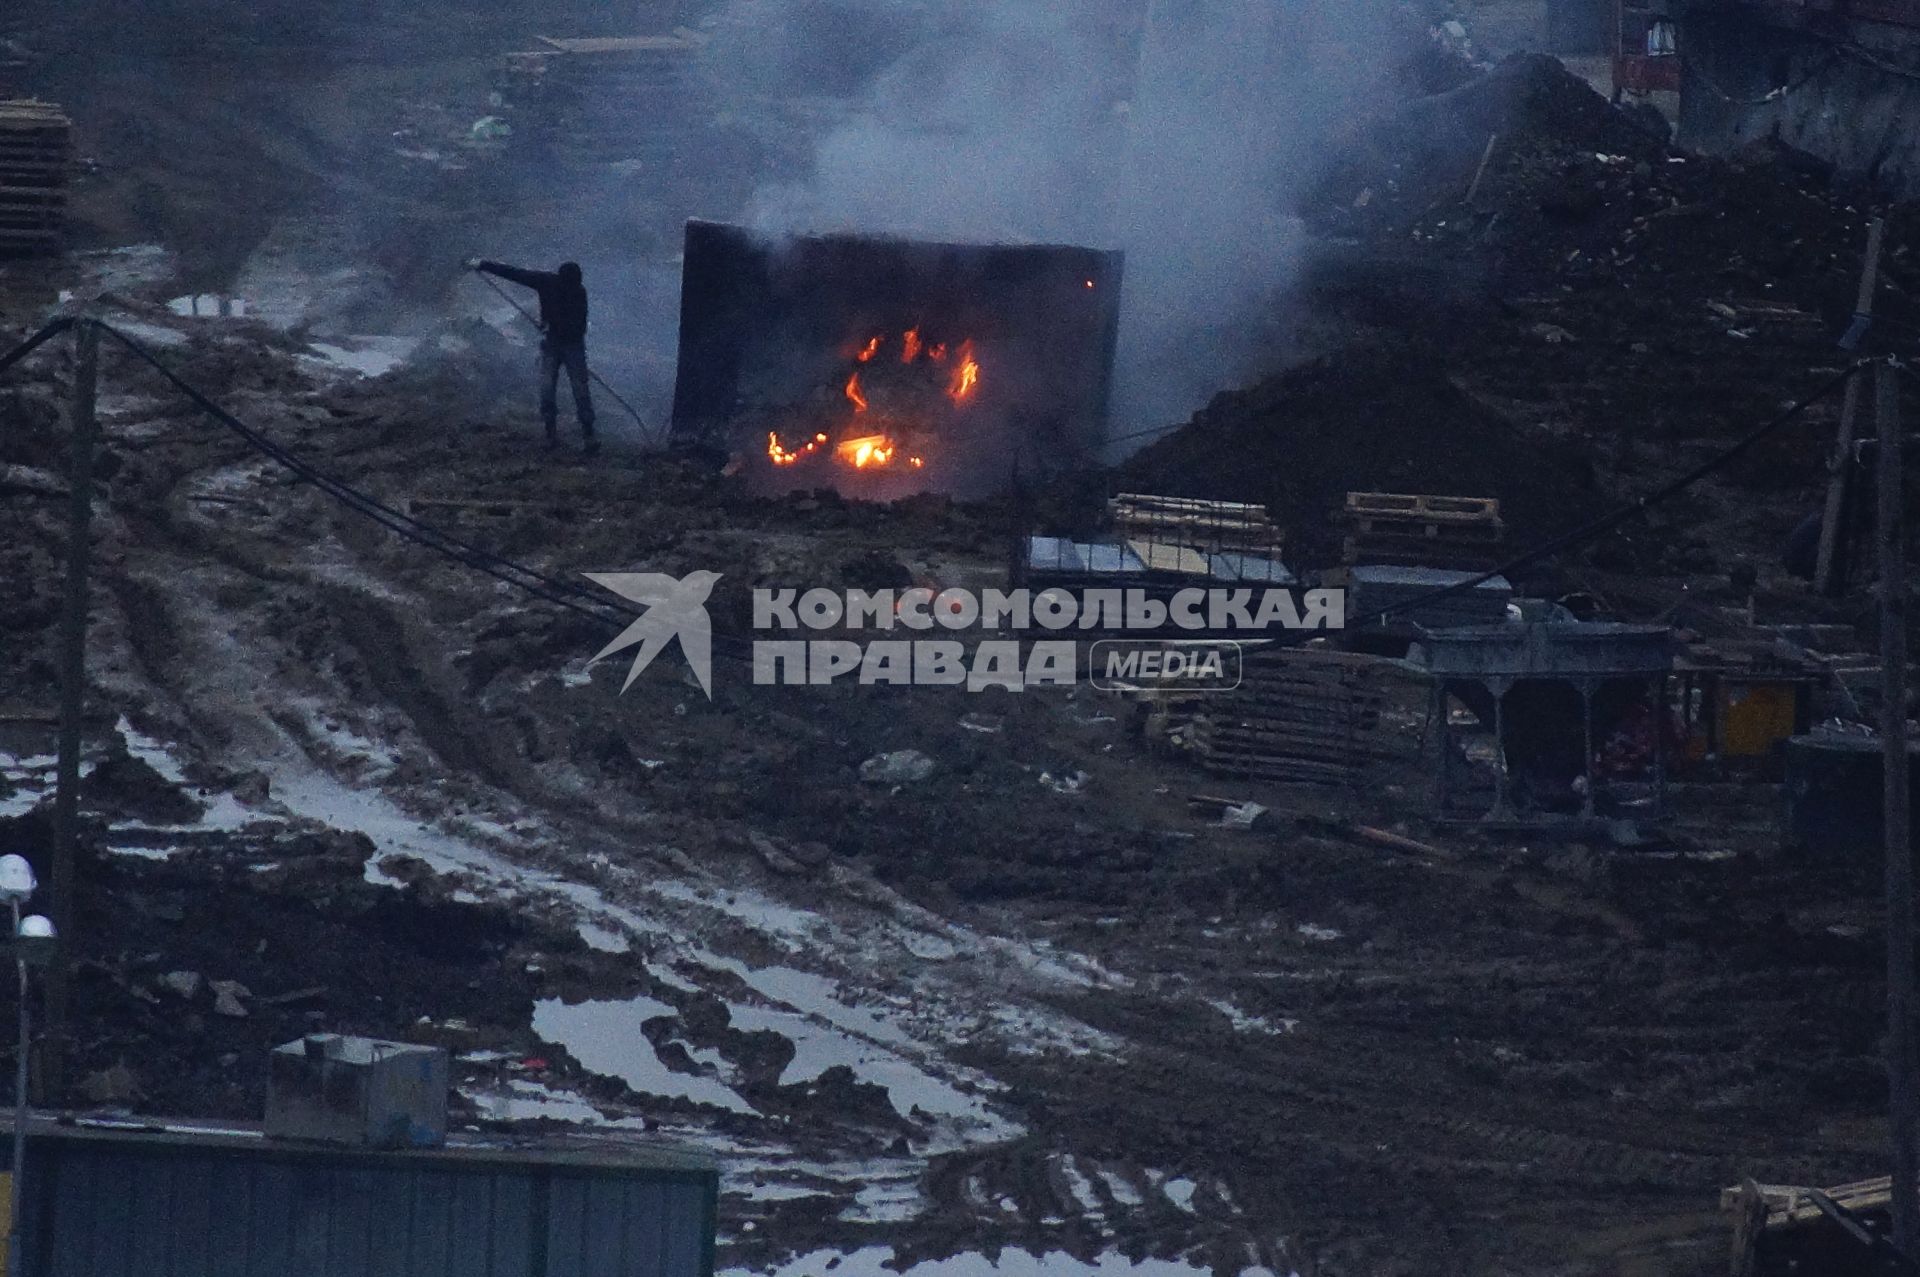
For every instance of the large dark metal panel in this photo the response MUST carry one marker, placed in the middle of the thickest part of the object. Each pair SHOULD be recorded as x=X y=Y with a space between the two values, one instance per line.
x=151 y=1205
x=765 y=322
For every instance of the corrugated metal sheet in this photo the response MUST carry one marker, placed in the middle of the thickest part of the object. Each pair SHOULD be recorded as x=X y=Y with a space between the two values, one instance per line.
x=160 y=1205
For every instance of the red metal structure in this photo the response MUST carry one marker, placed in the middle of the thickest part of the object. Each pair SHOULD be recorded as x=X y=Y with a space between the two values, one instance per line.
x=1646 y=47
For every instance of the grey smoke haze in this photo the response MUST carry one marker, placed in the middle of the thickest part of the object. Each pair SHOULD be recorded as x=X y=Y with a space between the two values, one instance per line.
x=1015 y=120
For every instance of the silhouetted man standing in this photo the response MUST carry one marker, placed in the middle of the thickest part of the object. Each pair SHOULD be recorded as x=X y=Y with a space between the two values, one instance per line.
x=563 y=344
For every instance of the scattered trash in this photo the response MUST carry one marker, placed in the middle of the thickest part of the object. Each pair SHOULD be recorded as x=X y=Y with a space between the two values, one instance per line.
x=230 y=998
x=1245 y=816
x=902 y=767
x=1066 y=783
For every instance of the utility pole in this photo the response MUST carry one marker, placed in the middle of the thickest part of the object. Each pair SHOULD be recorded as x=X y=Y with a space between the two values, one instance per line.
x=73 y=674
x=1901 y=1108
x=1830 y=577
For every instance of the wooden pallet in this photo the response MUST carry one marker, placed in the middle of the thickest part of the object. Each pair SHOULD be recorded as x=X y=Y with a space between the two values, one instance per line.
x=1422 y=554
x=1398 y=529
x=1425 y=506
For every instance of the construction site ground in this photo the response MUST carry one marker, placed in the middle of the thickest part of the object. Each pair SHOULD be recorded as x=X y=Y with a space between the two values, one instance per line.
x=1035 y=1000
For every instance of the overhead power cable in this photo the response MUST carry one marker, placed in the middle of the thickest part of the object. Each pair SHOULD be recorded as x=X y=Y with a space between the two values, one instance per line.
x=531 y=580
x=1598 y=527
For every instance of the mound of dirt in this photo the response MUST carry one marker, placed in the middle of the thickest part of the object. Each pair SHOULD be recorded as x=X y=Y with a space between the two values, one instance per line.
x=1365 y=420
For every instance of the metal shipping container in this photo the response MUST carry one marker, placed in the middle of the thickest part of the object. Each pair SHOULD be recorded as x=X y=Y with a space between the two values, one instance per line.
x=191 y=1200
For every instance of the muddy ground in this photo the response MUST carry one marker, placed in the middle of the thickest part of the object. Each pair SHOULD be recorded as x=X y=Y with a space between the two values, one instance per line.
x=1033 y=999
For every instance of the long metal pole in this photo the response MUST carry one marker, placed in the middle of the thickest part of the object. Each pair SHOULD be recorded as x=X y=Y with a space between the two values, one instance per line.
x=73 y=676
x=1830 y=575
x=16 y=1262
x=1902 y=1111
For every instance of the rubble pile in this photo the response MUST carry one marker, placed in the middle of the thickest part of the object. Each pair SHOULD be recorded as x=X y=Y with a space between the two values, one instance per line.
x=1366 y=419
x=1603 y=307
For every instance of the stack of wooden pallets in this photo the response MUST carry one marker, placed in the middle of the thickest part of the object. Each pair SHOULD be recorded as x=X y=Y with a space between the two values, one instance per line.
x=1419 y=530
x=36 y=144
x=1298 y=715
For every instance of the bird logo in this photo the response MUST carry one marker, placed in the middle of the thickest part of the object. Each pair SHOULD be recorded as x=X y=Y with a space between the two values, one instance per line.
x=675 y=609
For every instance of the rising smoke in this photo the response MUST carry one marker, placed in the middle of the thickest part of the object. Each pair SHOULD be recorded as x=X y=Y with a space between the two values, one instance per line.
x=1178 y=130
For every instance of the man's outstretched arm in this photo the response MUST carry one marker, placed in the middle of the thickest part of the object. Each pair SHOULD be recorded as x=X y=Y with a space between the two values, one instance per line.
x=534 y=279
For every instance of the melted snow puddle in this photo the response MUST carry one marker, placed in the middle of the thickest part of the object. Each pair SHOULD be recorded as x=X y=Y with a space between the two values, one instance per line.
x=606 y=1038
x=208 y=306
x=524 y=1101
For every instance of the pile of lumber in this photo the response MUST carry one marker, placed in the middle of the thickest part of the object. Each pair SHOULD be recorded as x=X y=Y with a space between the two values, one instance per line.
x=1421 y=530
x=1779 y=1227
x=1222 y=527
x=611 y=99
x=1298 y=715
x=36 y=155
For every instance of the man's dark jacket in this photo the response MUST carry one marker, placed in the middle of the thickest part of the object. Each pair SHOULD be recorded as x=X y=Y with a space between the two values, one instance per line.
x=563 y=306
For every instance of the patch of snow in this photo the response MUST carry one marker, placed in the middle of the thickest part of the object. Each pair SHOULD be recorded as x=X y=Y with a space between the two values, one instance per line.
x=885 y=1202
x=143 y=853
x=1244 y=1023
x=523 y=1101
x=1180 y=1193
x=1313 y=931
x=366 y=356
x=606 y=1038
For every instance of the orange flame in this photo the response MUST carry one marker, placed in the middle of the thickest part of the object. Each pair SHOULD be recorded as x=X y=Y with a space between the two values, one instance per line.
x=967 y=377
x=778 y=452
x=867 y=354
x=938 y=353
x=910 y=346
x=853 y=393
x=871 y=450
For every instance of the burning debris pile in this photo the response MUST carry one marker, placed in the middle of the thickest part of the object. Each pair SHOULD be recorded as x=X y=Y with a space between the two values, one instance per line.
x=902 y=396
x=892 y=366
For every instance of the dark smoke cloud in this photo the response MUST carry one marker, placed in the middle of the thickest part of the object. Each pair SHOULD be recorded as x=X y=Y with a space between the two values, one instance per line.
x=1179 y=130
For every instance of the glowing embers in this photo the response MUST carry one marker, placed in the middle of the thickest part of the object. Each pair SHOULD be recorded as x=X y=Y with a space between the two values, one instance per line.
x=897 y=403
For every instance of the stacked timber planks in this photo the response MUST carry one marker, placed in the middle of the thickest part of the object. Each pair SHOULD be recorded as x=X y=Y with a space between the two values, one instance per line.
x=1218 y=526
x=1422 y=530
x=36 y=155
x=1298 y=715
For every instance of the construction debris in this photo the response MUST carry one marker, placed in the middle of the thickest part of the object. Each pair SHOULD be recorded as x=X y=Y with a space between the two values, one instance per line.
x=36 y=158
